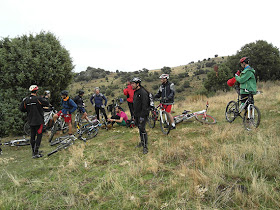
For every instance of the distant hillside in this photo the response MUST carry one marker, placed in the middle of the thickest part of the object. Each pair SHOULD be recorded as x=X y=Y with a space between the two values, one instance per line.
x=188 y=79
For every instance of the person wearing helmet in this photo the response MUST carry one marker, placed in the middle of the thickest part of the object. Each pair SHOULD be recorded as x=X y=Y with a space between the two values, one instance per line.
x=129 y=92
x=166 y=91
x=98 y=103
x=69 y=106
x=246 y=79
x=33 y=105
x=81 y=105
x=141 y=106
x=47 y=95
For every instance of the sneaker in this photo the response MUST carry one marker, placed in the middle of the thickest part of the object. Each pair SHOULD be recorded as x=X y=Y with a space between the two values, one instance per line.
x=172 y=128
x=145 y=150
x=37 y=156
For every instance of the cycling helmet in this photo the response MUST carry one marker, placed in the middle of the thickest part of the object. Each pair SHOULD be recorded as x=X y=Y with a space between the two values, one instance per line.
x=136 y=80
x=47 y=92
x=64 y=93
x=244 y=59
x=81 y=92
x=33 y=88
x=164 y=76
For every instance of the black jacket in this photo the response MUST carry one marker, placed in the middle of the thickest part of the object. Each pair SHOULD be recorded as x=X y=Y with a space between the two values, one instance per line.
x=141 y=103
x=33 y=105
x=79 y=101
x=166 y=92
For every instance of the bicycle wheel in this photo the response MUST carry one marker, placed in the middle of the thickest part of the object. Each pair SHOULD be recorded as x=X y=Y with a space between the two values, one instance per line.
x=22 y=142
x=62 y=146
x=90 y=133
x=151 y=119
x=26 y=129
x=53 y=130
x=165 y=124
x=231 y=111
x=208 y=119
x=252 y=119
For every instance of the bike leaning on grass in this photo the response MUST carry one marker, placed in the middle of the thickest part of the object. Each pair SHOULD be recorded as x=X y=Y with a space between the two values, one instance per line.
x=200 y=116
x=58 y=125
x=252 y=114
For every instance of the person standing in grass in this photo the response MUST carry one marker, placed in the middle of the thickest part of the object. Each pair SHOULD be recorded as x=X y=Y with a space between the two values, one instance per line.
x=129 y=92
x=33 y=105
x=246 y=79
x=141 y=105
x=120 y=118
x=98 y=103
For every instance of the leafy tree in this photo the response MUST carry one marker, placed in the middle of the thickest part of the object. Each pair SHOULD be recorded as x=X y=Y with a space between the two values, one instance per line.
x=166 y=70
x=264 y=58
x=218 y=81
x=35 y=59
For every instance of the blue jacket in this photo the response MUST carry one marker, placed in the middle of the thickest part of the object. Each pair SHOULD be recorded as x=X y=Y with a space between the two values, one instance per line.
x=98 y=99
x=68 y=106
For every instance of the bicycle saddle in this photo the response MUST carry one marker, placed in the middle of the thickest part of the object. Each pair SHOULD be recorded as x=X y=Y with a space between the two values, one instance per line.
x=186 y=111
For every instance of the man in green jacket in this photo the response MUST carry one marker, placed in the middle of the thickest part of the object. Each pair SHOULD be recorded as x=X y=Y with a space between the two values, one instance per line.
x=246 y=79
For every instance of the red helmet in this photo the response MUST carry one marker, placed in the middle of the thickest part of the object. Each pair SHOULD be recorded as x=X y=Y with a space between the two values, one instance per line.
x=244 y=59
x=33 y=88
x=164 y=76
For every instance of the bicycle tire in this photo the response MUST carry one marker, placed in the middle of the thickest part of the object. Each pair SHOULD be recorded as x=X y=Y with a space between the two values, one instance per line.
x=53 y=130
x=61 y=146
x=26 y=129
x=165 y=124
x=207 y=120
x=151 y=121
x=252 y=123
x=231 y=111
x=90 y=133
x=64 y=127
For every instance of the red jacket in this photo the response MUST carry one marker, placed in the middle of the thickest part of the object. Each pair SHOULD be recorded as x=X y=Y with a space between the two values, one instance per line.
x=129 y=92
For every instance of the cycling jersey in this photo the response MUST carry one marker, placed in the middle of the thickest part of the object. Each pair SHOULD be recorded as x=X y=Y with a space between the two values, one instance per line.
x=166 y=92
x=98 y=99
x=68 y=105
x=247 y=81
x=129 y=92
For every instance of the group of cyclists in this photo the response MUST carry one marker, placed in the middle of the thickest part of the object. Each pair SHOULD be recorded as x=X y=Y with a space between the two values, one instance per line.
x=138 y=99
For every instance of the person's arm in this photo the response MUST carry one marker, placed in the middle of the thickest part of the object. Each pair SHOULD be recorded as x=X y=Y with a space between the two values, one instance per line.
x=125 y=91
x=74 y=106
x=91 y=98
x=22 y=106
x=172 y=91
x=158 y=94
x=145 y=104
x=105 y=100
x=244 y=77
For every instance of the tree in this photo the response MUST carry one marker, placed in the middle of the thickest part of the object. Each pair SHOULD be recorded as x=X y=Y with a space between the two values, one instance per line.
x=218 y=82
x=35 y=59
x=166 y=70
x=264 y=58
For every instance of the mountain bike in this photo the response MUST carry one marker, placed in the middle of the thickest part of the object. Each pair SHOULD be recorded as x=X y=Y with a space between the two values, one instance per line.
x=64 y=143
x=104 y=122
x=115 y=102
x=58 y=125
x=17 y=142
x=47 y=117
x=156 y=113
x=252 y=114
x=200 y=116
x=89 y=130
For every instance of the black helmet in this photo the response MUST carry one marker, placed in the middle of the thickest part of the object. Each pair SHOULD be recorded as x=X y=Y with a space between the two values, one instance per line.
x=136 y=80
x=64 y=93
x=81 y=92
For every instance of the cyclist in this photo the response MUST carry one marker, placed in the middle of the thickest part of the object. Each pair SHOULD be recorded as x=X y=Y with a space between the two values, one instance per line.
x=166 y=92
x=69 y=106
x=120 y=118
x=246 y=79
x=98 y=101
x=47 y=95
x=81 y=105
x=33 y=105
x=141 y=106
x=129 y=92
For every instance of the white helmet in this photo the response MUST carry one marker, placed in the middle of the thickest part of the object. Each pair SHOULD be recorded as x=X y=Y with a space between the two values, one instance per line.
x=164 y=76
x=33 y=88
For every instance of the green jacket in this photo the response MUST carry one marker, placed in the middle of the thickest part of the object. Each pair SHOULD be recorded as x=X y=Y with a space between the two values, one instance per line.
x=247 y=81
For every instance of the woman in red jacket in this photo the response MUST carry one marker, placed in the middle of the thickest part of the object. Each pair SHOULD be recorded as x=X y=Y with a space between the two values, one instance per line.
x=129 y=92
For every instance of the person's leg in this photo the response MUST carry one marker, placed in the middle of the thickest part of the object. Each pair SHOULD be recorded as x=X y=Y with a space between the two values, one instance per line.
x=116 y=117
x=39 y=134
x=130 y=106
x=104 y=113
x=97 y=112
x=32 y=138
x=143 y=135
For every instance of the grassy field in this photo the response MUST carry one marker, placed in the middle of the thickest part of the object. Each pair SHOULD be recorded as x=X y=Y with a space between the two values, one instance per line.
x=196 y=166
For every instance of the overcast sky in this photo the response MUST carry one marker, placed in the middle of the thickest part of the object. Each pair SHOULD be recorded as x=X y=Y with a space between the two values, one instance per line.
x=130 y=35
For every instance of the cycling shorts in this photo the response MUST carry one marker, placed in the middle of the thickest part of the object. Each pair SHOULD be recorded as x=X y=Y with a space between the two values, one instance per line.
x=67 y=118
x=82 y=109
x=167 y=108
